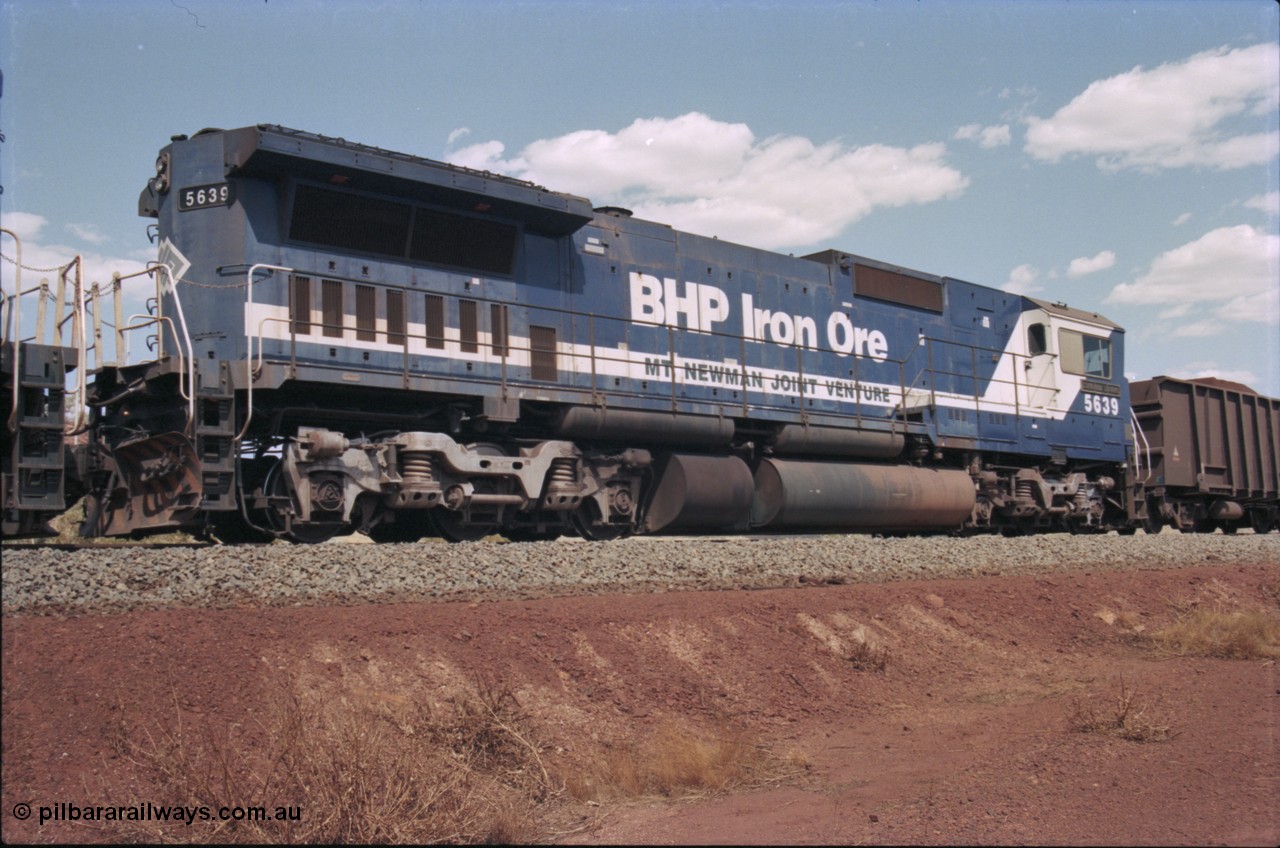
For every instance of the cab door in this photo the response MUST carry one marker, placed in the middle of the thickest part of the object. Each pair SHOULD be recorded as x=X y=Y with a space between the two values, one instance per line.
x=1039 y=383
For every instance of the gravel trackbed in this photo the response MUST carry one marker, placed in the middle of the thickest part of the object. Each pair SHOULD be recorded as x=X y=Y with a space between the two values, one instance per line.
x=115 y=579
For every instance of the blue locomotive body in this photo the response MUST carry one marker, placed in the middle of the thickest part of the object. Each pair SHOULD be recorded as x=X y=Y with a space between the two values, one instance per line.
x=360 y=339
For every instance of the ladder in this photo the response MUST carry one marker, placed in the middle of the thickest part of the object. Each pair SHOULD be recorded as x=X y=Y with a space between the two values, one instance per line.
x=34 y=478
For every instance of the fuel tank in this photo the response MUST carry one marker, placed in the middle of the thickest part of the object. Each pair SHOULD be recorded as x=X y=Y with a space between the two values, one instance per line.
x=702 y=493
x=797 y=494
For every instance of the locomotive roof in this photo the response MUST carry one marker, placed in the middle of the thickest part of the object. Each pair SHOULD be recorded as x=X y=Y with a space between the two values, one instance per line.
x=1078 y=314
x=273 y=148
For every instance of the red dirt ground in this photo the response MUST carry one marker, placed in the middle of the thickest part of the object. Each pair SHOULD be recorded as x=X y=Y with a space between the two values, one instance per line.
x=964 y=737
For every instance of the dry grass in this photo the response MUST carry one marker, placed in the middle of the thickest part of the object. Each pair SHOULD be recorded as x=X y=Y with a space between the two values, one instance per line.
x=676 y=761
x=388 y=770
x=865 y=656
x=66 y=529
x=1214 y=632
x=1129 y=715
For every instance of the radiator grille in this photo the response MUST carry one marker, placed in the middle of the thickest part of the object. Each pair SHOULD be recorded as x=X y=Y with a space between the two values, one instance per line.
x=331 y=304
x=542 y=354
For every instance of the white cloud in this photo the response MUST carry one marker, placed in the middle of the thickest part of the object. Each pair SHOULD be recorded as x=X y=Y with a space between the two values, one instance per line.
x=1175 y=115
x=1091 y=265
x=1224 y=264
x=25 y=224
x=1198 y=329
x=987 y=137
x=1181 y=310
x=1262 y=307
x=460 y=132
x=1023 y=280
x=42 y=261
x=1268 y=203
x=717 y=178
x=1182 y=219
x=89 y=233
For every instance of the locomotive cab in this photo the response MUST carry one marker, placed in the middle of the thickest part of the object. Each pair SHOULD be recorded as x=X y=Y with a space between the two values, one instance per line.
x=1041 y=366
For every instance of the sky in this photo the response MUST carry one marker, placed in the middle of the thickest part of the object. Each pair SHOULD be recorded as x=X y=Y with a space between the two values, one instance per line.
x=1121 y=157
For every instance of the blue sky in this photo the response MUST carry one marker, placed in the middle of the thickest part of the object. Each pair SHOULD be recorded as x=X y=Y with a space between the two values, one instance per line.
x=1121 y=157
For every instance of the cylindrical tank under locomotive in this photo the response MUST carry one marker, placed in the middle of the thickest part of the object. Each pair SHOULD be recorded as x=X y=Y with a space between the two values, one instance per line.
x=355 y=339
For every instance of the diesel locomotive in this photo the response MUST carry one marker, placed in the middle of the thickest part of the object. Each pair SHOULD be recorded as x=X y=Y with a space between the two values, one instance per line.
x=343 y=338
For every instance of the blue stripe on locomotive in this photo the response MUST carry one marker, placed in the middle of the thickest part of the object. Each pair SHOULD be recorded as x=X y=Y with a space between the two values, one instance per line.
x=953 y=364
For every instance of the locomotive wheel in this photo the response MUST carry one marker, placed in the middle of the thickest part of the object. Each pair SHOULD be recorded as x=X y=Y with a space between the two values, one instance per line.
x=274 y=487
x=582 y=519
x=525 y=534
x=408 y=527
x=452 y=527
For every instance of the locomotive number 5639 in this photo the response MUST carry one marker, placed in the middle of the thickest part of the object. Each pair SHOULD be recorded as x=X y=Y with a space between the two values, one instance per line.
x=204 y=197
x=1101 y=405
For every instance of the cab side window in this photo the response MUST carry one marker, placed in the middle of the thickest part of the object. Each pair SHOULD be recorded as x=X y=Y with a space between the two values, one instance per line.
x=1088 y=356
x=1037 y=339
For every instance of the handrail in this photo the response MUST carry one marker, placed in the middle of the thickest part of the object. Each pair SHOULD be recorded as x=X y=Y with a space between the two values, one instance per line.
x=167 y=274
x=595 y=361
x=81 y=341
x=248 y=354
x=117 y=294
x=73 y=300
x=15 y=310
x=80 y=424
x=1138 y=434
x=270 y=319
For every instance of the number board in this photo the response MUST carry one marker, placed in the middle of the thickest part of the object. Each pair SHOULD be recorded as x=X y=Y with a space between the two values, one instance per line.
x=1100 y=388
x=205 y=196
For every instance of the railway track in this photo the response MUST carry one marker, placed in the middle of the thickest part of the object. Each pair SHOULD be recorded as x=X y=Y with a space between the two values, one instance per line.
x=9 y=546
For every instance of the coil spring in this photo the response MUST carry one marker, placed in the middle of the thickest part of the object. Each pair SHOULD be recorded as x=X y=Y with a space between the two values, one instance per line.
x=417 y=469
x=564 y=472
x=1024 y=489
